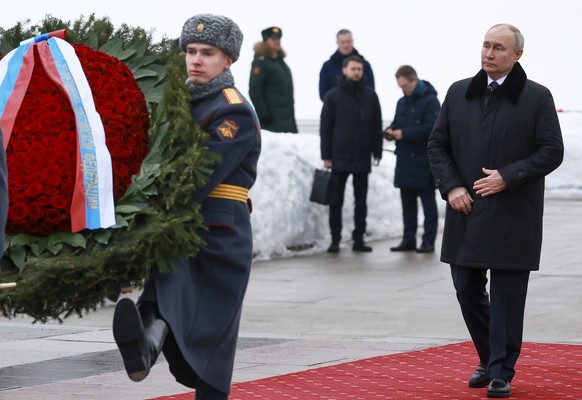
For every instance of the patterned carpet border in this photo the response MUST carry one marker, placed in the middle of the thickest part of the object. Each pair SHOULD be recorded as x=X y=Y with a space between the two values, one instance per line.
x=544 y=372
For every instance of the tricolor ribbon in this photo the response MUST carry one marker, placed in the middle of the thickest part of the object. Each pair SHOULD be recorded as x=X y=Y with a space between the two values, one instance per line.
x=92 y=206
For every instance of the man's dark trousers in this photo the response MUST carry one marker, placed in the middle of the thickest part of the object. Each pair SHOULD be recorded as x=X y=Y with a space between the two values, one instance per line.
x=360 y=182
x=410 y=215
x=496 y=324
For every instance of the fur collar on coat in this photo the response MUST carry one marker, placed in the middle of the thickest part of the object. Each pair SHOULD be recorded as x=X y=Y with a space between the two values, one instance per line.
x=262 y=49
x=511 y=88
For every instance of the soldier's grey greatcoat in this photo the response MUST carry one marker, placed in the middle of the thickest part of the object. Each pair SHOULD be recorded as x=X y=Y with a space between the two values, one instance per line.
x=202 y=301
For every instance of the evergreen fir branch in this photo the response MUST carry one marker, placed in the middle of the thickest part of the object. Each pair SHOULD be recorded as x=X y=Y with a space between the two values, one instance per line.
x=160 y=219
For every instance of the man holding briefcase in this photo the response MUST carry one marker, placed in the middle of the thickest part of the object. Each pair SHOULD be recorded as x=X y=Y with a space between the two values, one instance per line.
x=351 y=134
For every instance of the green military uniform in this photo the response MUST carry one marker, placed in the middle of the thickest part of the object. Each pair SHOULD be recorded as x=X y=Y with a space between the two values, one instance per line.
x=271 y=90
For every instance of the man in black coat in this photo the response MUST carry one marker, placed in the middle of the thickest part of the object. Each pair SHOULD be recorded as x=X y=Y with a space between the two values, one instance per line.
x=496 y=138
x=351 y=134
x=331 y=70
x=194 y=313
x=413 y=121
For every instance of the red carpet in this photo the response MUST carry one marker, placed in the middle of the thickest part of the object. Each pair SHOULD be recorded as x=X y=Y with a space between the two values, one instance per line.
x=544 y=372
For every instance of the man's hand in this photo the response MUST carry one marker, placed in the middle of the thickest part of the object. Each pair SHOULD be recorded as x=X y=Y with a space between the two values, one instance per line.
x=493 y=183
x=392 y=134
x=460 y=200
x=327 y=164
x=376 y=161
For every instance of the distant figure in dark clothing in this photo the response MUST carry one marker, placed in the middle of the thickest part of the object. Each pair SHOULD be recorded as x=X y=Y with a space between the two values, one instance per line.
x=271 y=84
x=331 y=71
x=351 y=134
x=415 y=115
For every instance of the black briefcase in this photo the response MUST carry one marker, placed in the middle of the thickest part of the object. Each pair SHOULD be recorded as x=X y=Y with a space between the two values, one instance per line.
x=322 y=191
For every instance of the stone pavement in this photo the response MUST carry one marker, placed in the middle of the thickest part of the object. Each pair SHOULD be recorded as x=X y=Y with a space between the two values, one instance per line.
x=305 y=312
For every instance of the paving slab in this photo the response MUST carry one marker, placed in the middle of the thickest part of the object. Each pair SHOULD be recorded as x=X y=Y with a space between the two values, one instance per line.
x=305 y=312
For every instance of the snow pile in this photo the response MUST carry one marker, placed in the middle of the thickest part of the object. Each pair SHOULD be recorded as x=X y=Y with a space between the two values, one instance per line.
x=286 y=222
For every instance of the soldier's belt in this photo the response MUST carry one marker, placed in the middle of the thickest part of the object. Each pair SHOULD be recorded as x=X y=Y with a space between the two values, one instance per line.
x=231 y=192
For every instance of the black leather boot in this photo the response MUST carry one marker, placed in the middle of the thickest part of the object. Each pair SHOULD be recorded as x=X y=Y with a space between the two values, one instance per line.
x=140 y=334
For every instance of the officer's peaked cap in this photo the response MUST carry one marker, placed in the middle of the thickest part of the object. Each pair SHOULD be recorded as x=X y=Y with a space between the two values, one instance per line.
x=273 y=31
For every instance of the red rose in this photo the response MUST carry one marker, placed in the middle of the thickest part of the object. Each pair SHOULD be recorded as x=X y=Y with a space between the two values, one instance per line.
x=33 y=190
x=18 y=212
x=59 y=202
x=42 y=152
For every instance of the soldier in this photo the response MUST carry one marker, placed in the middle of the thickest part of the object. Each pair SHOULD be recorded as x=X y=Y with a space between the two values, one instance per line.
x=271 y=84
x=193 y=315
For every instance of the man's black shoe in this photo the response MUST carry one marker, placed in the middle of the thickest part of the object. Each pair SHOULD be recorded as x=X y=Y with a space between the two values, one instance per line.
x=425 y=248
x=334 y=248
x=139 y=335
x=128 y=331
x=499 y=388
x=480 y=377
x=404 y=247
x=361 y=247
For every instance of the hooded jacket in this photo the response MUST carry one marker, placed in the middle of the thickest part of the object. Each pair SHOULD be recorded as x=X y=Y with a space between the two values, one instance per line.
x=415 y=116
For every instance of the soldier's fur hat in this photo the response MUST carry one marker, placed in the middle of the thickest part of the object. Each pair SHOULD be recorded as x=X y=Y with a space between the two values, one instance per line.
x=216 y=30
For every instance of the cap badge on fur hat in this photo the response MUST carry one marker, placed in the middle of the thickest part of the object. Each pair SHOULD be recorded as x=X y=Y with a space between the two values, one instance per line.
x=215 y=30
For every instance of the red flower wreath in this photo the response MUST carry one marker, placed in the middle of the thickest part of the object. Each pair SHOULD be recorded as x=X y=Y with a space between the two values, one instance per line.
x=41 y=154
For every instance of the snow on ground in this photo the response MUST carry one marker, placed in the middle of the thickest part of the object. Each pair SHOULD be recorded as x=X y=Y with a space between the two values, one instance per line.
x=285 y=222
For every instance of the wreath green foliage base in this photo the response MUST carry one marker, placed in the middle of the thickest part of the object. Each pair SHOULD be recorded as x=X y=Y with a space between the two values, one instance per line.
x=157 y=221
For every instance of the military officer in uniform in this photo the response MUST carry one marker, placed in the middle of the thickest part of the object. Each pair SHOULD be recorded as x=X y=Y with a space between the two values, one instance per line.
x=193 y=315
x=271 y=84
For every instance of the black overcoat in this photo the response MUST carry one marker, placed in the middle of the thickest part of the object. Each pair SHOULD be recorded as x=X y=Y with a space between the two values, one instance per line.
x=519 y=135
x=351 y=127
x=202 y=300
x=415 y=115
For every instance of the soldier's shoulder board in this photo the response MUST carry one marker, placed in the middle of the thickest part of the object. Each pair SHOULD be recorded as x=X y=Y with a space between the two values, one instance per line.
x=232 y=96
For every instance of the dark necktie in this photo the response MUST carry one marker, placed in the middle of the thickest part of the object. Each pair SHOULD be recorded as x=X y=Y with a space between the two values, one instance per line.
x=491 y=88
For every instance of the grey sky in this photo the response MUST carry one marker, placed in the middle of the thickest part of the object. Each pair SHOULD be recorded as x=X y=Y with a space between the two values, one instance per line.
x=441 y=39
